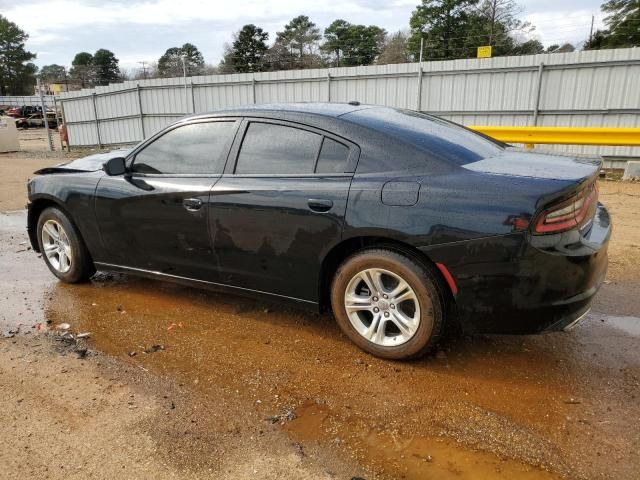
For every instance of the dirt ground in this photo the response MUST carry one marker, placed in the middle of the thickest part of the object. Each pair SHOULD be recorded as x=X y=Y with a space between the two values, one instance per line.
x=17 y=167
x=175 y=382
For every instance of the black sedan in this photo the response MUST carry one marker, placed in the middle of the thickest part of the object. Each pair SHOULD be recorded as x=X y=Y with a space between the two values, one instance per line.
x=400 y=222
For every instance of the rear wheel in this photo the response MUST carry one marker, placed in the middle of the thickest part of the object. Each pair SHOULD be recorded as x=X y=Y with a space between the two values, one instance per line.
x=62 y=247
x=389 y=305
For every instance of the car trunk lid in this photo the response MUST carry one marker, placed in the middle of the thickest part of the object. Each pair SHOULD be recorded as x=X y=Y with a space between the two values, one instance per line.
x=569 y=198
x=527 y=164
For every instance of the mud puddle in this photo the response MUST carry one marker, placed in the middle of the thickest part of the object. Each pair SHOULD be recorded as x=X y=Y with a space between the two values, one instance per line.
x=494 y=407
x=410 y=457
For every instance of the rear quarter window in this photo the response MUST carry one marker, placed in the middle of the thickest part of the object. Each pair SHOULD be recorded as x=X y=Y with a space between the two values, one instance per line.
x=333 y=157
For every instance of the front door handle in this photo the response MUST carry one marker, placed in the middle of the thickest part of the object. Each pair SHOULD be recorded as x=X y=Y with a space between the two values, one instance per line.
x=320 y=205
x=192 y=204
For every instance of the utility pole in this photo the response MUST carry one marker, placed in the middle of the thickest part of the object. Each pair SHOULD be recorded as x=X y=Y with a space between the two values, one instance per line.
x=591 y=31
x=144 y=69
x=419 y=96
x=44 y=114
x=184 y=73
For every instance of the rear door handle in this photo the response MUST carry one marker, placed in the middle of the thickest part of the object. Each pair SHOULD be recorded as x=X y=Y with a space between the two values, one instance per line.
x=192 y=204
x=320 y=205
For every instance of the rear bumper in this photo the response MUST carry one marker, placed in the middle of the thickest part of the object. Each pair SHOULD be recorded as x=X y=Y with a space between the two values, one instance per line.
x=522 y=284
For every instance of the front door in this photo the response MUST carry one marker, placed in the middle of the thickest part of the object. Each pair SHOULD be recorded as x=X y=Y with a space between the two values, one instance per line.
x=155 y=217
x=279 y=209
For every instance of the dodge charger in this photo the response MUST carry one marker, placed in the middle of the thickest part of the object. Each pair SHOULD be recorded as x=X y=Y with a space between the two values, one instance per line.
x=399 y=222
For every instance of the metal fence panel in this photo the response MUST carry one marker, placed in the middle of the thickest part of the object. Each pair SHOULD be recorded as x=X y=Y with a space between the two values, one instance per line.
x=82 y=134
x=154 y=124
x=121 y=105
x=80 y=110
x=591 y=88
x=29 y=101
x=120 y=131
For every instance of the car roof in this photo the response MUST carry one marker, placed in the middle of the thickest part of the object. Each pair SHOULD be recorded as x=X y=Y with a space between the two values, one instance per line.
x=306 y=108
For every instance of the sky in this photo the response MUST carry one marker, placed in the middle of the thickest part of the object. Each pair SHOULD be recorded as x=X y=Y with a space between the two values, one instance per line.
x=141 y=30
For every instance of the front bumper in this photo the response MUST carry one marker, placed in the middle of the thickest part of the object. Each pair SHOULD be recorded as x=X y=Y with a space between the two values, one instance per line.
x=32 y=220
x=569 y=323
x=522 y=284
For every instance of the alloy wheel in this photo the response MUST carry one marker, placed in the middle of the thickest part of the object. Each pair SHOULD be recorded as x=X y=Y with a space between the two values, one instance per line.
x=382 y=307
x=56 y=246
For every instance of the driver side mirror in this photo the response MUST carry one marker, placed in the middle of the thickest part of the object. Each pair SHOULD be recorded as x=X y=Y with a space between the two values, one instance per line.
x=115 y=166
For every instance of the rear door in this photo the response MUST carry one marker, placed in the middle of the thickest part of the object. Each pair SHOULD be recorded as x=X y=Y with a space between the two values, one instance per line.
x=279 y=207
x=155 y=217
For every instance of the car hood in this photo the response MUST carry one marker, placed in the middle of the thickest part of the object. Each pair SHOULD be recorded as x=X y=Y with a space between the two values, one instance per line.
x=535 y=165
x=90 y=163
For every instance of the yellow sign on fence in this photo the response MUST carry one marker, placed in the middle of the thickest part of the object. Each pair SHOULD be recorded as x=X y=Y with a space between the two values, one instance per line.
x=484 y=52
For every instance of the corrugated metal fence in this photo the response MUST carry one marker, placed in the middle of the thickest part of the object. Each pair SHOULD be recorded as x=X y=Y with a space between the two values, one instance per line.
x=29 y=101
x=583 y=89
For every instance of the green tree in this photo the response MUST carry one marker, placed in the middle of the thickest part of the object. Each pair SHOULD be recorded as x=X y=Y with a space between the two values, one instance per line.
x=564 y=48
x=500 y=19
x=278 y=57
x=53 y=73
x=364 y=44
x=82 y=69
x=442 y=25
x=530 y=47
x=17 y=74
x=335 y=38
x=353 y=44
x=246 y=52
x=455 y=28
x=623 y=22
x=597 y=41
x=481 y=31
x=395 y=50
x=300 y=36
x=170 y=64
x=105 y=67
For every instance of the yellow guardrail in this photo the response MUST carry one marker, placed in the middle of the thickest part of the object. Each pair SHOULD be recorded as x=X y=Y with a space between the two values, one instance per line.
x=626 y=137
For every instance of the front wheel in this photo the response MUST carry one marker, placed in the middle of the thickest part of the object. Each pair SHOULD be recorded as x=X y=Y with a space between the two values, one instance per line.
x=388 y=304
x=62 y=247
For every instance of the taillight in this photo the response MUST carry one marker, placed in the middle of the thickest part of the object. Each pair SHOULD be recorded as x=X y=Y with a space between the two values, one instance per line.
x=569 y=214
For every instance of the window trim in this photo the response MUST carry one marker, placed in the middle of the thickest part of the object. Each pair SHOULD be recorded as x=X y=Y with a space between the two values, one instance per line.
x=234 y=154
x=130 y=159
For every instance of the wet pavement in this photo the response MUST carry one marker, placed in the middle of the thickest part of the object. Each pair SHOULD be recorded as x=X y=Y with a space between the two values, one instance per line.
x=538 y=407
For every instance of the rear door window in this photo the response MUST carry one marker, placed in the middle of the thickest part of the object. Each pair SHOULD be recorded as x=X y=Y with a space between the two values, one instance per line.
x=277 y=149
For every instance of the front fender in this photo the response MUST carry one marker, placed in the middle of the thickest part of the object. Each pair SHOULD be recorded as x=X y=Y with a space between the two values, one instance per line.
x=72 y=193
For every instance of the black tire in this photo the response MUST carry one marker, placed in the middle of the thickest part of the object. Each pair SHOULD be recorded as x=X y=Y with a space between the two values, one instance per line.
x=426 y=286
x=81 y=267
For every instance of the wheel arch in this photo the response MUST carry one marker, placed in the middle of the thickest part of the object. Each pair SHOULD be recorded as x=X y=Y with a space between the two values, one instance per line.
x=349 y=246
x=36 y=207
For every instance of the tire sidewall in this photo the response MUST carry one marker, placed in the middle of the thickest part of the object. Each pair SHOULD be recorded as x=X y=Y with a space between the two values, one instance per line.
x=420 y=281
x=78 y=269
